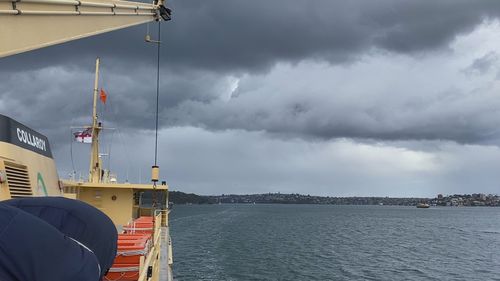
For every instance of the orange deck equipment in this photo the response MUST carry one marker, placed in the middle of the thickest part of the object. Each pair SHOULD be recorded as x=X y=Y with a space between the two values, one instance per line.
x=140 y=225
x=132 y=245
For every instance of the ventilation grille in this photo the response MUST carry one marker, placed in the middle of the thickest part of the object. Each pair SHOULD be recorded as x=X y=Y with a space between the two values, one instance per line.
x=18 y=180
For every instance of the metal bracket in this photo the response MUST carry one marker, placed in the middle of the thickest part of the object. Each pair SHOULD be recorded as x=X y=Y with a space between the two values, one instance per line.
x=149 y=40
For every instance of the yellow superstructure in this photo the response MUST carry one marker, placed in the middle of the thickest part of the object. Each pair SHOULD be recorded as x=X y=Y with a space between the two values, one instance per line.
x=25 y=169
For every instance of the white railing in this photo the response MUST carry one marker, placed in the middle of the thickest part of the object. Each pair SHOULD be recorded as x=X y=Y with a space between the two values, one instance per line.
x=151 y=265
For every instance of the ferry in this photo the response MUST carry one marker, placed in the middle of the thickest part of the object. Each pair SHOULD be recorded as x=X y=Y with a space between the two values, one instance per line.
x=423 y=205
x=57 y=229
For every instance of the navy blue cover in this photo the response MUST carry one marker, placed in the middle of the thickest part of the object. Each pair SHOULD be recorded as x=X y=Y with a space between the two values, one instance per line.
x=33 y=250
x=77 y=220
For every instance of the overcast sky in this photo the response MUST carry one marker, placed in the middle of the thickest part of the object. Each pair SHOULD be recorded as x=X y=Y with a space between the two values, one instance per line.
x=324 y=97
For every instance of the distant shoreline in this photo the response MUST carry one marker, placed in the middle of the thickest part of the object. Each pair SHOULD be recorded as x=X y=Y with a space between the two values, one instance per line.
x=456 y=200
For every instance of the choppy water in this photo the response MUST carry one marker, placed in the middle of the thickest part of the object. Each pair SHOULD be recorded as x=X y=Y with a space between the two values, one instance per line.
x=311 y=242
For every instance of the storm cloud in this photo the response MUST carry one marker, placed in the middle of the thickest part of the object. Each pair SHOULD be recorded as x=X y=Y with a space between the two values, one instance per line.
x=252 y=36
x=413 y=80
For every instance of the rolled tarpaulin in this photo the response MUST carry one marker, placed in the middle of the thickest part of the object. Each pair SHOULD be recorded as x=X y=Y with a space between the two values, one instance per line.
x=78 y=220
x=33 y=250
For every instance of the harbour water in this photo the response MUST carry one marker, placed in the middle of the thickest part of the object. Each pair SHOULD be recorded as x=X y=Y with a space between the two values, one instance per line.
x=317 y=242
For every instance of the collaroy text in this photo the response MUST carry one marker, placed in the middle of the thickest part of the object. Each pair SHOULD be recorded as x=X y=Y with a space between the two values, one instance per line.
x=34 y=141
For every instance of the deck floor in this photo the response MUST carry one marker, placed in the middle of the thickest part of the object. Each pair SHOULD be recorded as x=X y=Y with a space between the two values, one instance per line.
x=165 y=272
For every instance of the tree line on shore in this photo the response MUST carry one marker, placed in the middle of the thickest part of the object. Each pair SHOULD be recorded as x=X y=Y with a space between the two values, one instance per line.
x=178 y=197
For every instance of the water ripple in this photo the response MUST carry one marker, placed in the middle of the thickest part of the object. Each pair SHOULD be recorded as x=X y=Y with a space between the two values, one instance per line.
x=307 y=242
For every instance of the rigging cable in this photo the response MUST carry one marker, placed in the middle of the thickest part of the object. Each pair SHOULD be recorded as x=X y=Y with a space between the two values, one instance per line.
x=157 y=109
x=73 y=174
x=157 y=91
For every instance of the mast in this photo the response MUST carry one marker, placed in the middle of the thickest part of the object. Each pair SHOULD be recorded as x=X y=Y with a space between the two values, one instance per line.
x=95 y=165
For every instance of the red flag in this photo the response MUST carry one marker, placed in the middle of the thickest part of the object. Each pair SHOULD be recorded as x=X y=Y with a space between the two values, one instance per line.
x=103 y=96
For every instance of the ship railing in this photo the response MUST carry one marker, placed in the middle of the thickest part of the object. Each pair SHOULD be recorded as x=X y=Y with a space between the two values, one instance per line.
x=166 y=271
x=149 y=266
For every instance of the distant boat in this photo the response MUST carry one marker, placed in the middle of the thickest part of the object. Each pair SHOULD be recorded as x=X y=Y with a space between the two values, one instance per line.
x=423 y=205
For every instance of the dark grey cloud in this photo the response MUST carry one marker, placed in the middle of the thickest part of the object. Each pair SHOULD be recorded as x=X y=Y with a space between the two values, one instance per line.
x=207 y=39
x=415 y=26
x=53 y=99
x=211 y=42
x=408 y=100
x=309 y=100
x=242 y=36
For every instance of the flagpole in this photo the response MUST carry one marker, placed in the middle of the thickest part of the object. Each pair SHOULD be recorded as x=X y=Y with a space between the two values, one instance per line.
x=96 y=87
x=95 y=167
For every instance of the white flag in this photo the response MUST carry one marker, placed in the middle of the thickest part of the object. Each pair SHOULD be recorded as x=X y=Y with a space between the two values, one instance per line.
x=84 y=136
